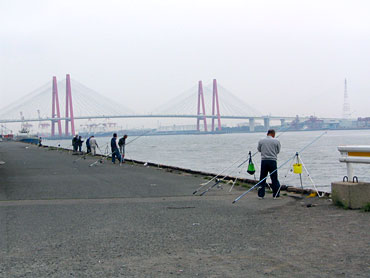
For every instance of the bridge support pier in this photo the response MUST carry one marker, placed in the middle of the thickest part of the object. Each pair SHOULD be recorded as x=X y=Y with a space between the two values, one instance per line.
x=266 y=123
x=251 y=124
x=282 y=122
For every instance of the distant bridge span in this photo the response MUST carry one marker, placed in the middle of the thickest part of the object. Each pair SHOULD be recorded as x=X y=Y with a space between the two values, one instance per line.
x=251 y=120
x=148 y=116
x=232 y=109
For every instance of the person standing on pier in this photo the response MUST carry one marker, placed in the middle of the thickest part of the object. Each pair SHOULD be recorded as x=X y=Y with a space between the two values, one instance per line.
x=115 y=149
x=75 y=143
x=79 y=143
x=269 y=147
x=88 y=147
x=93 y=145
x=121 y=144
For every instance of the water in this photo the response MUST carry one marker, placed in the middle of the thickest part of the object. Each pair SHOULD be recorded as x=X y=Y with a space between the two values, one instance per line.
x=213 y=153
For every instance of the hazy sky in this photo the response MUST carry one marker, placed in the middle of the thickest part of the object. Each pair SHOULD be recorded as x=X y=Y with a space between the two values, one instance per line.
x=281 y=57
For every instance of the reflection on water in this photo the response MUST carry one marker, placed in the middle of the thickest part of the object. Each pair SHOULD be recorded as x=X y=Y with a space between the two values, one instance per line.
x=214 y=153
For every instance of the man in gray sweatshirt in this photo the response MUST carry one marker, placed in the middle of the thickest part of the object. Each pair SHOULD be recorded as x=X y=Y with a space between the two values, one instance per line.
x=269 y=147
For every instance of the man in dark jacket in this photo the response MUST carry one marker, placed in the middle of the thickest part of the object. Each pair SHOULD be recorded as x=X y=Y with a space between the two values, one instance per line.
x=79 y=143
x=75 y=143
x=121 y=144
x=114 y=148
x=88 y=147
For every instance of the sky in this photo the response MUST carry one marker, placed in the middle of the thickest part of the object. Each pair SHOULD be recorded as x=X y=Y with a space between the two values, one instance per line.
x=282 y=58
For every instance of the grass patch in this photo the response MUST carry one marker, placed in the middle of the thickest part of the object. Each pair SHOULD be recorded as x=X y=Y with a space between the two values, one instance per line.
x=340 y=204
x=245 y=185
x=366 y=208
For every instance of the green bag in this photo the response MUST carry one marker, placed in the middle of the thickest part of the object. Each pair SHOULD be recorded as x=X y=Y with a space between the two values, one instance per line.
x=251 y=169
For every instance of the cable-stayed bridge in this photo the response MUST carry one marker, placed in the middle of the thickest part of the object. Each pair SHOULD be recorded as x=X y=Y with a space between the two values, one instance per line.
x=68 y=101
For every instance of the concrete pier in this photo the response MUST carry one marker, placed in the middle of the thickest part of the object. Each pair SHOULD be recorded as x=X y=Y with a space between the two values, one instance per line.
x=351 y=195
x=60 y=218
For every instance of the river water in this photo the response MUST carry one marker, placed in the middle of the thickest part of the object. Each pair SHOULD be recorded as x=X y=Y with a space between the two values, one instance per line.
x=214 y=152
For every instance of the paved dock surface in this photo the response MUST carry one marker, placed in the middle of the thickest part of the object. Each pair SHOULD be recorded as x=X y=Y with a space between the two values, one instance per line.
x=60 y=218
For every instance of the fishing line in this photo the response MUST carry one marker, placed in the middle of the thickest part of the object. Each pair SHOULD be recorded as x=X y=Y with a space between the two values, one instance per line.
x=137 y=137
x=312 y=182
x=227 y=168
x=304 y=148
x=107 y=153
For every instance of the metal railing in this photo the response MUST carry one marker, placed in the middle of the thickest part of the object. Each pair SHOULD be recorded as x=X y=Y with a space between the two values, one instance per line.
x=354 y=154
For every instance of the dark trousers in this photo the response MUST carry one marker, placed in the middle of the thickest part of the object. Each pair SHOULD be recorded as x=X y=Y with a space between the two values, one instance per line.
x=269 y=166
x=115 y=153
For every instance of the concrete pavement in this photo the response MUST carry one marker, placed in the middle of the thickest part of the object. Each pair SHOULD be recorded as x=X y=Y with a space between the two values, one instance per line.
x=60 y=218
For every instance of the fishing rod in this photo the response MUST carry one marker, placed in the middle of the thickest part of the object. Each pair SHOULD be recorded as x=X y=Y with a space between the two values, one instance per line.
x=101 y=158
x=82 y=157
x=256 y=152
x=110 y=153
x=137 y=137
x=304 y=148
x=102 y=154
x=215 y=177
x=227 y=168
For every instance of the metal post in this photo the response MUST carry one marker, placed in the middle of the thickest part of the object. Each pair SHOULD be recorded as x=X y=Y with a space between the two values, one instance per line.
x=349 y=171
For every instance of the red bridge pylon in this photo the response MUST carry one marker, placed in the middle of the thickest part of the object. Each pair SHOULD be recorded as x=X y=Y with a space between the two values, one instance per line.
x=215 y=107
x=69 y=107
x=215 y=104
x=55 y=108
x=201 y=99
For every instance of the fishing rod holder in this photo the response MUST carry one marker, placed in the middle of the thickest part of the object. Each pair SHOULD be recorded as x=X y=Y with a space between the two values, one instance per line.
x=350 y=154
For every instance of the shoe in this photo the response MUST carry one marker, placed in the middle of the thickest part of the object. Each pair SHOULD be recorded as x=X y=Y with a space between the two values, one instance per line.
x=261 y=198
x=275 y=196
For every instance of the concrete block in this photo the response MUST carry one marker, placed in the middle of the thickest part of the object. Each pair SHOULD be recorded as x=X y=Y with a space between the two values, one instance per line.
x=351 y=195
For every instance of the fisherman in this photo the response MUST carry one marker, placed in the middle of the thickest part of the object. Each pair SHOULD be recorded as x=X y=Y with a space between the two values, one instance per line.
x=75 y=143
x=121 y=144
x=269 y=147
x=115 y=149
x=93 y=145
x=79 y=143
x=88 y=147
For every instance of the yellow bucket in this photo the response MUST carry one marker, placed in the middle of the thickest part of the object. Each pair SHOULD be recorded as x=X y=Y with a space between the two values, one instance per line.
x=297 y=168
